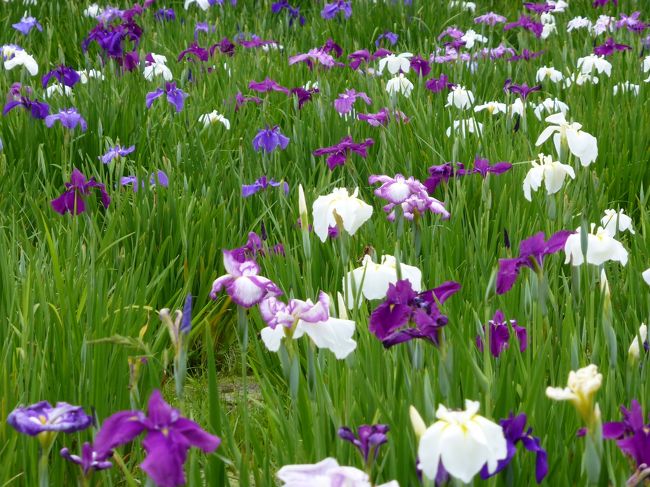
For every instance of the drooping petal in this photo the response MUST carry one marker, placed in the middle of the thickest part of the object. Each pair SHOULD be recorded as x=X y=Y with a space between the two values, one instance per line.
x=118 y=429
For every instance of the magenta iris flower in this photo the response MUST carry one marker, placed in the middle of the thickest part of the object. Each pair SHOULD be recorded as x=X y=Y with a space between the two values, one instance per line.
x=323 y=58
x=499 y=334
x=194 y=51
x=338 y=154
x=539 y=8
x=436 y=85
x=72 y=200
x=631 y=22
x=442 y=173
x=65 y=75
x=344 y=103
x=609 y=47
x=602 y=3
x=522 y=90
x=69 y=118
x=38 y=109
x=115 y=152
x=269 y=139
x=483 y=167
x=331 y=9
x=526 y=23
x=409 y=193
x=389 y=321
x=88 y=461
x=115 y=41
x=368 y=439
x=168 y=438
x=262 y=184
x=513 y=430
x=490 y=18
x=531 y=254
x=26 y=25
x=303 y=95
x=240 y=100
x=420 y=65
x=175 y=96
x=632 y=435
x=525 y=55
x=358 y=57
x=226 y=47
x=268 y=85
x=42 y=417
x=382 y=117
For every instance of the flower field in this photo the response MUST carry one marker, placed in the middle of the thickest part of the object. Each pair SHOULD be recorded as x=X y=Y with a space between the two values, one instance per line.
x=347 y=243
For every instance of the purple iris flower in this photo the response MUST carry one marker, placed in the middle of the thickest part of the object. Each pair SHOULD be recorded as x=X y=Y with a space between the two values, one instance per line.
x=268 y=85
x=262 y=184
x=294 y=12
x=72 y=200
x=175 y=96
x=254 y=246
x=632 y=435
x=165 y=14
x=242 y=281
x=113 y=40
x=420 y=65
x=225 y=45
x=195 y=50
x=88 y=461
x=38 y=109
x=26 y=25
x=168 y=438
x=497 y=52
x=452 y=32
x=69 y=118
x=442 y=173
x=610 y=47
x=526 y=23
x=159 y=178
x=389 y=321
x=331 y=9
x=513 y=430
x=203 y=27
x=409 y=193
x=382 y=117
x=42 y=417
x=531 y=254
x=344 y=103
x=391 y=37
x=539 y=8
x=526 y=55
x=602 y=3
x=499 y=334
x=269 y=139
x=483 y=167
x=368 y=439
x=357 y=57
x=240 y=99
x=436 y=85
x=338 y=154
x=303 y=95
x=490 y=18
x=631 y=22
x=115 y=152
x=65 y=75
x=522 y=90
x=332 y=47
x=323 y=58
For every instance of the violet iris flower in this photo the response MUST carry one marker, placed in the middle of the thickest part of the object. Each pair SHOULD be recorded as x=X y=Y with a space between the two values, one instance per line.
x=632 y=435
x=539 y=8
x=89 y=461
x=409 y=193
x=403 y=305
x=631 y=22
x=436 y=85
x=391 y=37
x=499 y=334
x=513 y=430
x=69 y=118
x=115 y=152
x=490 y=18
x=303 y=95
x=262 y=184
x=323 y=58
x=338 y=154
x=294 y=12
x=42 y=418
x=26 y=25
x=602 y=3
x=38 y=109
x=420 y=65
x=72 y=200
x=195 y=50
x=331 y=9
x=526 y=23
x=269 y=139
x=267 y=85
x=367 y=440
x=225 y=46
x=240 y=99
x=442 y=173
x=610 y=47
x=112 y=39
x=254 y=246
x=531 y=254
x=382 y=117
x=65 y=75
x=159 y=178
x=483 y=167
x=526 y=55
x=165 y=14
x=242 y=281
x=175 y=96
x=357 y=57
x=343 y=104
x=522 y=90
x=168 y=438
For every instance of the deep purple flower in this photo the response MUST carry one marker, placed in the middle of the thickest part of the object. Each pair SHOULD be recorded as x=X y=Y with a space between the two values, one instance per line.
x=420 y=65
x=168 y=438
x=43 y=418
x=436 y=85
x=240 y=99
x=526 y=55
x=242 y=281
x=195 y=51
x=175 y=96
x=269 y=139
x=332 y=47
x=186 y=320
x=294 y=12
x=610 y=47
x=499 y=334
x=490 y=18
x=410 y=194
x=632 y=435
x=113 y=40
x=38 y=109
x=602 y=3
x=357 y=57
x=522 y=90
x=262 y=184
x=165 y=14
x=331 y=9
x=338 y=154
x=88 y=461
x=344 y=103
x=158 y=178
x=368 y=439
x=254 y=246
x=453 y=32
x=531 y=254
x=526 y=23
x=115 y=152
x=69 y=118
x=225 y=46
x=483 y=167
x=513 y=430
x=442 y=173
x=539 y=8
x=391 y=37
x=72 y=200
x=303 y=95
x=26 y=25
x=65 y=75
x=403 y=305
x=267 y=85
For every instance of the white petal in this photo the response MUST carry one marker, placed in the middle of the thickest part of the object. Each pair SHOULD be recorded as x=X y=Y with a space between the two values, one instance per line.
x=334 y=334
x=646 y=276
x=272 y=337
x=533 y=181
x=430 y=448
x=463 y=456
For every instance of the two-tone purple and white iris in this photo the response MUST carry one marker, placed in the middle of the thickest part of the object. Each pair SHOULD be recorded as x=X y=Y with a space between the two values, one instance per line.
x=345 y=101
x=72 y=200
x=63 y=74
x=242 y=281
x=175 y=96
x=367 y=440
x=499 y=334
x=409 y=193
x=89 y=461
x=389 y=321
x=168 y=438
x=632 y=435
x=70 y=118
x=116 y=152
x=269 y=139
x=338 y=154
x=26 y=25
x=531 y=254
x=513 y=430
x=42 y=418
x=262 y=184
x=330 y=10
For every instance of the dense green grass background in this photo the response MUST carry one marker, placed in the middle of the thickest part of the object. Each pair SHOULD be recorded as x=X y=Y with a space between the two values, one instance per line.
x=66 y=282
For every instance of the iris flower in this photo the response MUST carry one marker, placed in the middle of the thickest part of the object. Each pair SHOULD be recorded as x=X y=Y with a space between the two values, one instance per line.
x=581 y=144
x=326 y=473
x=69 y=118
x=156 y=65
x=609 y=47
x=409 y=193
x=16 y=56
x=551 y=173
x=116 y=152
x=331 y=9
x=345 y=101
x=632 y=435
x=269 y=139
x=499 y=334
x=262 y=184
x=601 y=247
x=38 y=109
x=26 y=25
x=72 y=200
x=490 y=18
x=367 y=440
x=337 y=209
x=338 y=154
x=43 y=419
x=65 y=75
x=267 y=85
x=175 y=96
x=526 y=23
x=89 y=461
